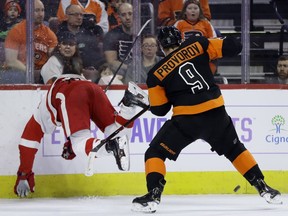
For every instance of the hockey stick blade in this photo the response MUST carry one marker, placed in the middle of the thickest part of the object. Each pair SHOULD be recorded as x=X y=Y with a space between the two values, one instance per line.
x=127 y=54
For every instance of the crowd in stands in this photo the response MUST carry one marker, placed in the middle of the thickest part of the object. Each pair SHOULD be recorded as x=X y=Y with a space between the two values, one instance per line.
x=99 y=31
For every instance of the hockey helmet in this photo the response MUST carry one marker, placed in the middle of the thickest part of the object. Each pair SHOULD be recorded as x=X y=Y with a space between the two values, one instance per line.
x=169 y=36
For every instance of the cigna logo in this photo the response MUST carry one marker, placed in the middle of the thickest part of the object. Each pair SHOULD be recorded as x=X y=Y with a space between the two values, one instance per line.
x=278 y=133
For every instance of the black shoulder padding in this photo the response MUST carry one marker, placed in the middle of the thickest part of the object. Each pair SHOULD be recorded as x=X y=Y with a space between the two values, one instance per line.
x=231 y=46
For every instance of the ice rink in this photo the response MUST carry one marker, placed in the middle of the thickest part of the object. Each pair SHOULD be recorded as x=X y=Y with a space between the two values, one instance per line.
x=192 y=205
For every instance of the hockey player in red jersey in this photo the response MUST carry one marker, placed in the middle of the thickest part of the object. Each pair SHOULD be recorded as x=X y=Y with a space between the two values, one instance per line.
x=184 y=81
x=71 y=102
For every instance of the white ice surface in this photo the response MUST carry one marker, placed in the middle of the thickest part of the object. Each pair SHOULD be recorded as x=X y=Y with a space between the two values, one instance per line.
x=192 y=205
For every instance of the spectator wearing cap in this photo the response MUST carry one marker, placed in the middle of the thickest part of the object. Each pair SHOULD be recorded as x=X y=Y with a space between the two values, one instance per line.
x=45 y=41
x=12 y=12
x=89 y=40
x=64 y=51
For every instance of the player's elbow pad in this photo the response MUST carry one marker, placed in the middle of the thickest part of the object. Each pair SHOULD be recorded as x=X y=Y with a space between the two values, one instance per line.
x=231 y=47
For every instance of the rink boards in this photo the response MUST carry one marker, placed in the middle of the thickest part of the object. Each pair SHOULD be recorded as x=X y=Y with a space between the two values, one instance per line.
x=259 y=113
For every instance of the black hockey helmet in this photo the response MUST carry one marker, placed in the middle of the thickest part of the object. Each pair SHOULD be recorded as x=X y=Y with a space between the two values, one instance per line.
x=169 y=36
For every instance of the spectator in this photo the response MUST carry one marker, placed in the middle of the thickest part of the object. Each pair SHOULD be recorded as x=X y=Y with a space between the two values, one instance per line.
x=169 y=11
x=12 y=12
x=15 y=47
x=118 y=41
x=192 y=21
x=89 y=40
x=11 y=15
x=282 y=70
x=64 y=51
x=112 y=10
x=22 y=4
x=94 y=7
x=149 y=48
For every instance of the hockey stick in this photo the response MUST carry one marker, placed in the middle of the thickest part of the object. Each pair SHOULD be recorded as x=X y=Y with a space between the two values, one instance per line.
x=137 y=36
x=92 y=154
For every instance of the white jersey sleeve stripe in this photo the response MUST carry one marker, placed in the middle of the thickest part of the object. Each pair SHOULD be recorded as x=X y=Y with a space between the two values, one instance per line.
x=29 y=143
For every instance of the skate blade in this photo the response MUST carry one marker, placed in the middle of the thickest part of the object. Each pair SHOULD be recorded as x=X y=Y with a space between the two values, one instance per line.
x=275 y=200
x=125 y=161
x=150 y=208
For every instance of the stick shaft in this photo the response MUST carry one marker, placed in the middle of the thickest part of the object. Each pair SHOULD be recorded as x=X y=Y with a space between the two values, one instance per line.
x=119 y=129
x=90 y=165
x=127 y=54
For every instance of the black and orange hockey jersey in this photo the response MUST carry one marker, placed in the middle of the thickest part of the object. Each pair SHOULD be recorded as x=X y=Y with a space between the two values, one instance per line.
x=183 y=79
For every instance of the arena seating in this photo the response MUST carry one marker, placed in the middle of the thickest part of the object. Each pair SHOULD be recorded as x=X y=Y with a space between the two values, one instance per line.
x=265 y=33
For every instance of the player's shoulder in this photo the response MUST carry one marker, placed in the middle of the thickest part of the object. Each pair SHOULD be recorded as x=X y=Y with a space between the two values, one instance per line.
x=193 y=39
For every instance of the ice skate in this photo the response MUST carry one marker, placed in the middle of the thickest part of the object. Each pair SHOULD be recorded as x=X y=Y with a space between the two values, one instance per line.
x=120 y=148
x=271 y=195
x=135 y=96
x=149 y=202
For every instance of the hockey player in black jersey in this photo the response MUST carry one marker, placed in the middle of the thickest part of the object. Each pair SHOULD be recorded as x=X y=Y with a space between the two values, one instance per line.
x=183 y=81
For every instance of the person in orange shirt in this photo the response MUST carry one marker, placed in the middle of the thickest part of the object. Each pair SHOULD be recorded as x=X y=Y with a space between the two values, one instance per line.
x=15 y=44
x=94 y=7
x=112 y=10
x=192 y=21
x=169 y=11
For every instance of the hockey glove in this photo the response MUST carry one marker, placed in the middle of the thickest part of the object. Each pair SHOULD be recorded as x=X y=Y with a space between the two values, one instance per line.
x=25 y=184
x=68 y=153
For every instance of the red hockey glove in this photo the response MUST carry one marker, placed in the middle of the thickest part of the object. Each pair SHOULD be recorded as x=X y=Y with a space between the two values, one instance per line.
x=25 y=184
x=68 y=153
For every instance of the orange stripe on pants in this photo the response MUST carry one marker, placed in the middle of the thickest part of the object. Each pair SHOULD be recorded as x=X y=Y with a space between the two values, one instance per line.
x=244 y=162
x=155 y=165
